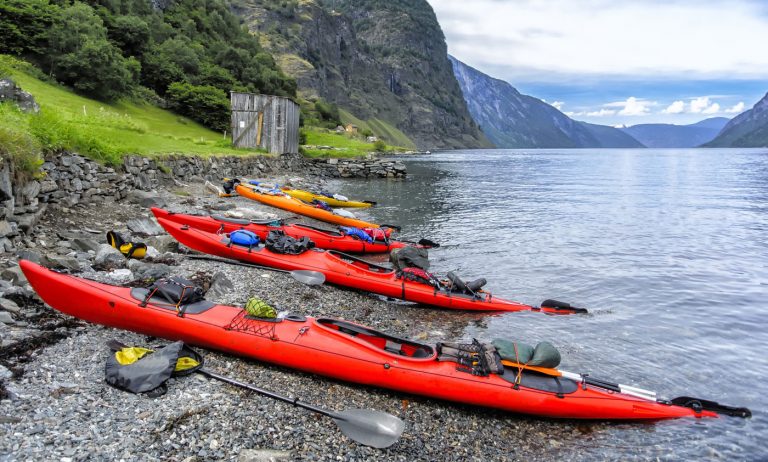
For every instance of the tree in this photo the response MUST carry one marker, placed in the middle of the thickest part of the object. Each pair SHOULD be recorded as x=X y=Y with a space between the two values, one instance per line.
x=23 y=24
x=81 y=56
x=203 y=103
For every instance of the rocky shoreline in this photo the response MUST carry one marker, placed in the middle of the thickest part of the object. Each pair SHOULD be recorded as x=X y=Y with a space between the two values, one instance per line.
x=55 y=405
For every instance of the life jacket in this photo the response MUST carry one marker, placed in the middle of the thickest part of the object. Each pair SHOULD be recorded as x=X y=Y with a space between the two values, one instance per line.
x=142 y=370
x=318 y=204
x=418 y=275
x=356 y=232
x=379 y=234
x=136 y=250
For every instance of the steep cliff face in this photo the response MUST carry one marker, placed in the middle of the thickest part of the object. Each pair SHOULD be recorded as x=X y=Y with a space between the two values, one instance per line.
x=382 y=60
x=747 y=130
x=513 y=120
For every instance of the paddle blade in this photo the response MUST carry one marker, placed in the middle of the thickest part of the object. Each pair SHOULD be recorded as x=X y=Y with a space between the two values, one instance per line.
x=310 y=278
x=371 y=428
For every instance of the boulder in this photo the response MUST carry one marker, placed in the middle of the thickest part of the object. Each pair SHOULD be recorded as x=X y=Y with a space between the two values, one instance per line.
x=163 y=243
x=5 y=228
x=142 y=270
x=145 y=199
x=58 y=261
x=30 y=255
x=106 y=255
x=121 y=276
x=145 y=226
x=9 y=91
x=221 y=286
x=15 y=275
x=85 y=245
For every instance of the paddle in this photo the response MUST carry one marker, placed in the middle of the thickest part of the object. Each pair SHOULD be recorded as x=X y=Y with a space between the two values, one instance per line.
x=371 y=428
x=310 y=278
x=684 y=401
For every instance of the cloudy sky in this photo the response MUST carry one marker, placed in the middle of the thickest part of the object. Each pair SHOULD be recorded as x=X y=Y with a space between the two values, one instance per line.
x=618 y=61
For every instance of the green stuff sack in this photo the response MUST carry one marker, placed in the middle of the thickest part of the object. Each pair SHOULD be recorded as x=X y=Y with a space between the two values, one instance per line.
x=543 y=355
x=513 y=351
x=259 y=309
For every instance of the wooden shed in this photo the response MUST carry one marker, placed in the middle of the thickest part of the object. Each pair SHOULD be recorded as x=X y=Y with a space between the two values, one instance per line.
x=264 y=121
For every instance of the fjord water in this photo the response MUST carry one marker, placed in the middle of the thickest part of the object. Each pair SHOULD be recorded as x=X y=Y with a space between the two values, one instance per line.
x=667 y=248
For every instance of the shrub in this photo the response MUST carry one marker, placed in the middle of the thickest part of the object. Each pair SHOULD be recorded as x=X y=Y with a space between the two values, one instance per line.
x=379 y=146
x=205 y=104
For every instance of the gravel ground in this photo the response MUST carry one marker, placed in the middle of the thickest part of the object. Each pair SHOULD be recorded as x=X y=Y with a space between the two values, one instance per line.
x=58 y=407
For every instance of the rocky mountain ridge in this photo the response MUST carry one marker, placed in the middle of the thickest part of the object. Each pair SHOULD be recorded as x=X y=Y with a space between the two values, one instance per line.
x=747 y=130
x=511 y=119
x=378 y=60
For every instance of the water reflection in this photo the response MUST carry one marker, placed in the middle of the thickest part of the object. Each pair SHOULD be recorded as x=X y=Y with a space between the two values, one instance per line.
x=668 y=248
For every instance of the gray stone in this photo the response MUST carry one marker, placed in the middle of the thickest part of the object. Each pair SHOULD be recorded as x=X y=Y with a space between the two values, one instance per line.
x=145 y=199
x=15 y=275
x=9 y=91
x=107 y=255
x=6 y=318
x=31 y=190
x=145 y=226
x=163 y=243
x=263 y=455
x=58 y=261
x=9 y=305
x=121 y=276
x=66 y=161
x=85 y=244
x=221 y=286
x=5 y=374
x=142 y=270
x=5 y=228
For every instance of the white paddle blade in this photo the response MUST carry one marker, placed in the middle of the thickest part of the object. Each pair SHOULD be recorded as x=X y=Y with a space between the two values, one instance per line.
x=371 y=428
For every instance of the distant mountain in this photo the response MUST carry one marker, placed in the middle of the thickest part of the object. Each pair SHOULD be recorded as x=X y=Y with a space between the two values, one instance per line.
x=747 y=130
x=513 y=120
x=677 y=136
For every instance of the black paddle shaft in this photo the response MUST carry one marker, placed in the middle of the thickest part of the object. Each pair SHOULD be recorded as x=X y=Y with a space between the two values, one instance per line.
x=294 y=401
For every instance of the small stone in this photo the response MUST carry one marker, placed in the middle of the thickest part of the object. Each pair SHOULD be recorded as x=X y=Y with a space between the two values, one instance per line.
x=15 y=275
x=9 y=305
x=121 y=276
x=30 y=255
x=263 y=455
x=6 y=318
x=148 y=270
x=5 y=374
x=57 y=261
x=221 y=286
x=85 y=244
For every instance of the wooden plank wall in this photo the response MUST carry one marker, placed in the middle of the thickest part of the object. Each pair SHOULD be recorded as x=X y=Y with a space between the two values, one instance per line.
x=278 y=131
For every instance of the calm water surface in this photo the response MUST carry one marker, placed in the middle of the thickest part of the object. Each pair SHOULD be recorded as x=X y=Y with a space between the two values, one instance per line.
x=668 y=249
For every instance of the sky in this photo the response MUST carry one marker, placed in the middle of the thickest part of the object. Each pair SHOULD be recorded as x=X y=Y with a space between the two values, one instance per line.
x=618 y=62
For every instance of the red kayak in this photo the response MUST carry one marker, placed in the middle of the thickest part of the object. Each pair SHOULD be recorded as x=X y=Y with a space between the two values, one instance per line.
x=346 y=351
x=348 y=271
x=324 y=239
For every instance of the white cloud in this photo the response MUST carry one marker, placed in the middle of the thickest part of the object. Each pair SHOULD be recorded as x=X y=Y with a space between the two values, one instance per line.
x=633 y=106
x=558 y=105
x=704 y=105
x=738 y=108
x=601 y=113
x=678 y=107
x=714 y=108
x=546 y=40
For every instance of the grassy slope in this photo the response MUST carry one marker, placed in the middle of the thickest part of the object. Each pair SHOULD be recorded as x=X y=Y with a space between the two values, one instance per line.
x=108 y=131
x=383 y=130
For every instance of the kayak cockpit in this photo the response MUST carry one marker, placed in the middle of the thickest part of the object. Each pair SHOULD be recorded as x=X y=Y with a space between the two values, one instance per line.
x=140 y=293
x=379 y=340
x=327 y=232
x=359 y=263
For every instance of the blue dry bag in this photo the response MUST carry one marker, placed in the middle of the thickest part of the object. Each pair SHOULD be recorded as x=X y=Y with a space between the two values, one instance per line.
x=244 y=238
x=357 y=232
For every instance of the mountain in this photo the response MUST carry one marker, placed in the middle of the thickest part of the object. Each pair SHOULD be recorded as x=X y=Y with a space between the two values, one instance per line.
x=383 y=62
x=513 y=120
x=747 y=130
x=677 y=136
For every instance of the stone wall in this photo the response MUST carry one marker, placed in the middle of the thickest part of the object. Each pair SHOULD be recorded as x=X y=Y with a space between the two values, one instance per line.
x=70 y=179
x=357 y=168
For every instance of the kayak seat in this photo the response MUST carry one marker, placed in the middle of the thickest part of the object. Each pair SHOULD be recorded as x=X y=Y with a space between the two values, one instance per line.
x=388 y=343
x=537 y=381
x=236 y=221
x=192 y=308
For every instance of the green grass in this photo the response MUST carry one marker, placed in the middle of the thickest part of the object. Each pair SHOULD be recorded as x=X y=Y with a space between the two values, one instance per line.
x=389 y=133
x=102 y=131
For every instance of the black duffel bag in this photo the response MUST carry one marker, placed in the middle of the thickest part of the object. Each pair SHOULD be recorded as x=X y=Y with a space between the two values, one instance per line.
x=278 y=242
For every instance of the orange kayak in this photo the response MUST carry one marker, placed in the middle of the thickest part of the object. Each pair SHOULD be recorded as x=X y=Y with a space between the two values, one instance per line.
x=286 y=202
